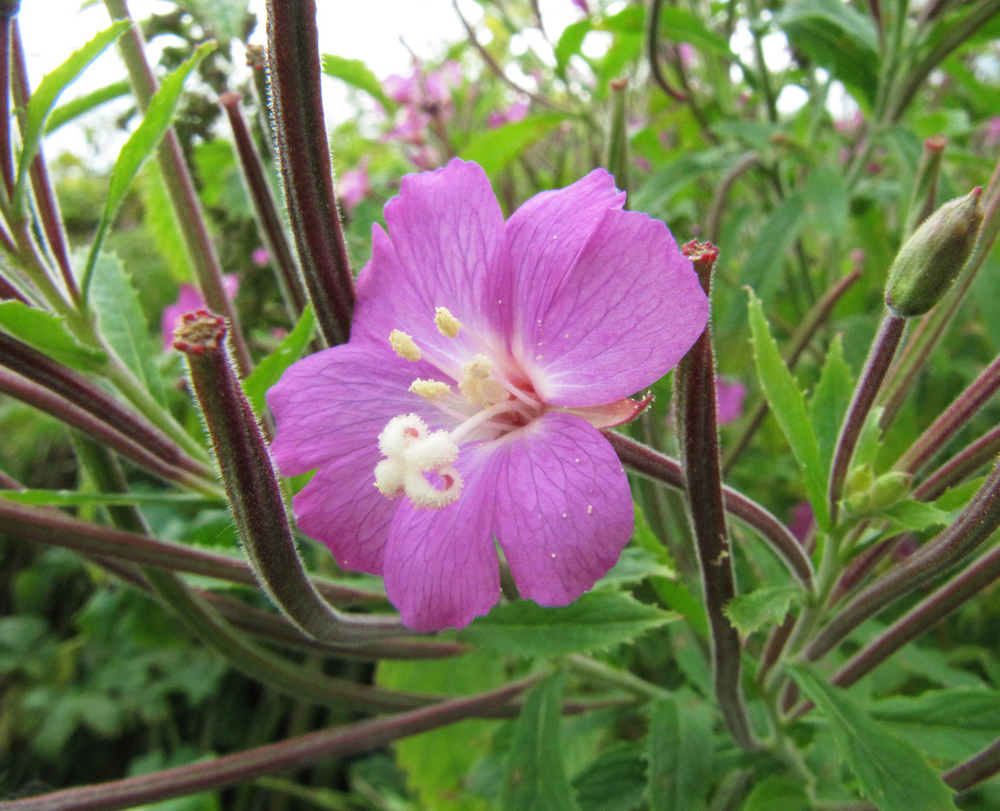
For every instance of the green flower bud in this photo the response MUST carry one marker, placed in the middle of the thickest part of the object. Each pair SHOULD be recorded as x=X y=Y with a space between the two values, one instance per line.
x=934 y=255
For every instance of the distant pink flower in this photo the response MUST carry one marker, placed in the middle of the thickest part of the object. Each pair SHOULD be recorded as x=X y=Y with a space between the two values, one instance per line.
x=803 y=520
x=260 y=257
x=729 y=398
x=582 y=5
x=516 y=112
x=992 y=133
x=687 y=53
x=484 y=359
x=188 y=298
x=354 y=186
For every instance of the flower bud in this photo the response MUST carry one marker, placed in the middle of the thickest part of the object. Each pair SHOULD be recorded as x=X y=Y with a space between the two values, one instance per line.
x=934 y=255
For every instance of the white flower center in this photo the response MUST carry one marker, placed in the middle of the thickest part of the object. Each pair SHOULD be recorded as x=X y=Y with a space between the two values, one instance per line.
x=412 y=451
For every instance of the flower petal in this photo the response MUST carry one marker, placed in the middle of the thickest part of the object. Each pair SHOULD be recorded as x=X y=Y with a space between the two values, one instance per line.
x=441 y=568
x=445 y=248
x=614 y=320
x=563 y=507
x=342 y=508
x=337 y=401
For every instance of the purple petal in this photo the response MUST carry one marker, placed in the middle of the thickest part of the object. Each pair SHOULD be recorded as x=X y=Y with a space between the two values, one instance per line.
x=563 y=507
x=729 y=397
x=336 y=402
x=342 y=508
x=441 y=568
x=445 y=248
x=600 y=322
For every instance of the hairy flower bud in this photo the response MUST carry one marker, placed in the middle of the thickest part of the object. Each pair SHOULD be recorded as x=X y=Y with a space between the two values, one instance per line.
x=934 y=255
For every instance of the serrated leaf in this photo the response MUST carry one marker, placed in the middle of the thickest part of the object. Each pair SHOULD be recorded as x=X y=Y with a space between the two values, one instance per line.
x=597 y=620
x=763 y=608
x=788 y=405
x=494 y=149
x=48 y=333
x=950 y=724
x=140 y=147
x=536 y=777
x=681 y=751
x=830 y=400
x=162 y=224
x=123 y=323
x=892 y=773
x=357 y=74
x=916 y=516
x=270 y=370
x=44 y=98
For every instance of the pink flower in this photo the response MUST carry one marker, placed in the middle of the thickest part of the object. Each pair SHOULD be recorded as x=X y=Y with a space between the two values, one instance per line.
x=354 y=186
x=260 y=257
x=803 y=520
x=188 y=298
x=729 y=397
x=484 y=359
x=516 y=112
x=582 y=5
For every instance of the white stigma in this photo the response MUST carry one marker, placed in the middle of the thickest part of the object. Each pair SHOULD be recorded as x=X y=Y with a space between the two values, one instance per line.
x=403 y=345
x=478 y=385
x=446 y=323
x=412 y=450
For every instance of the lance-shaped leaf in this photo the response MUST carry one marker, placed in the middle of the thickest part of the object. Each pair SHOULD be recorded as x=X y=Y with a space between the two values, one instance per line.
x=43 y=100
x=139 y=147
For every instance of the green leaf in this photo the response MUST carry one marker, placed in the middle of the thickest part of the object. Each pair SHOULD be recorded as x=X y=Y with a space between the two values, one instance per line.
x=48 y=333
x=224 y=19
x=536 y=777
x=777 y=794
x=838 y=38
x=139 y=147
x=123 y=323
x=162 y=224
x=762 y=269
x=357 y=74
x=680 y=25
x=570 y=42
x=615 y=781
x=892 y=773
x=270 y=370
x=597 y=620
x=681 y=751
x=916 y=516
x=763 y=608
x=65 y=113
x=438 y=762
x=634 y=566
x=73 y=498
x=47 y=93
x=950 y=724
x=830 y=400
x=672 y=591
x=494 y=149
x=789 y=408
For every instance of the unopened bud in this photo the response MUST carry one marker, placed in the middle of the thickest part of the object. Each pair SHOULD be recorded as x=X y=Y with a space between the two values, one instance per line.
x=931 y=259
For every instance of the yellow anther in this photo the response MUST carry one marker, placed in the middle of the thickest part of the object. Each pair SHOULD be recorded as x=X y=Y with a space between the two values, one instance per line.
x=478 y=385
x=446 y=323
x=403 y=345
x=430 y=389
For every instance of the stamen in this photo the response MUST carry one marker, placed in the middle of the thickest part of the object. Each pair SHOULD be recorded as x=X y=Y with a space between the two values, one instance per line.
x=446 y=323
x=478 y=385
x=403 y=345
x=430 y=389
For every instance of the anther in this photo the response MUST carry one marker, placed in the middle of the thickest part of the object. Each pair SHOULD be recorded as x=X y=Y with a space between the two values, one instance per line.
x=403 y=345
x=446 y=323
x=430 y=389
x=478 y=385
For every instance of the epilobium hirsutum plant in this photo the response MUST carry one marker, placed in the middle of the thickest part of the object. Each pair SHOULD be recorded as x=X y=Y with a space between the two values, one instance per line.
x=679 y=528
